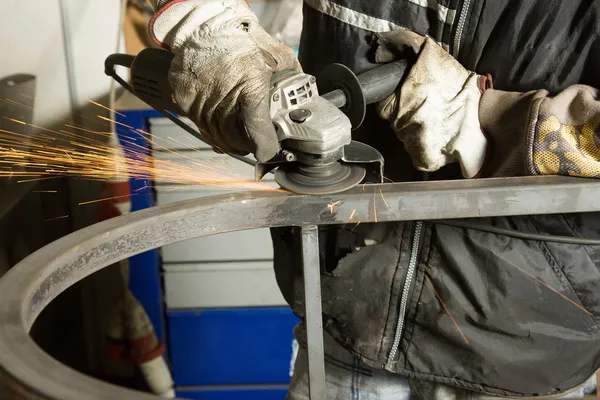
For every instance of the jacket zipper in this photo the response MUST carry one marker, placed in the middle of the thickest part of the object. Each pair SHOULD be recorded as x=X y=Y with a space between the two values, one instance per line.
x=408 y=281
x=461 y=26
x=410 y=273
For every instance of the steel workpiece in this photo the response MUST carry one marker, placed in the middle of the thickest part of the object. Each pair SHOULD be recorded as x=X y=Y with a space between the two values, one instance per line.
x=27 y=372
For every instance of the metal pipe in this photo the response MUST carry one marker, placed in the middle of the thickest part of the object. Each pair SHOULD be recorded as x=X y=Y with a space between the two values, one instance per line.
x=26 y=372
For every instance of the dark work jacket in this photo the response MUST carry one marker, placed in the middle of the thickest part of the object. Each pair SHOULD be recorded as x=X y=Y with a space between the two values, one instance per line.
x=481 y=311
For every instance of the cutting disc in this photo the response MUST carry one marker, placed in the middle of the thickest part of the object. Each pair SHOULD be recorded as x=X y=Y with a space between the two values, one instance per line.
x=316 y=180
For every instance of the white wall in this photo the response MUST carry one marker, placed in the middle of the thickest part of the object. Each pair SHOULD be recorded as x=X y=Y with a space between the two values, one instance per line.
x=32 y=43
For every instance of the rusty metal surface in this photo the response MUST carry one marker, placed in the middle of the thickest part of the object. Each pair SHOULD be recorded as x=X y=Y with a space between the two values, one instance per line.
x=26 y=372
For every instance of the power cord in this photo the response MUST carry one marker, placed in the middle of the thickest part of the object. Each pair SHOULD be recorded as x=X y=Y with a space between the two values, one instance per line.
x=519 y=235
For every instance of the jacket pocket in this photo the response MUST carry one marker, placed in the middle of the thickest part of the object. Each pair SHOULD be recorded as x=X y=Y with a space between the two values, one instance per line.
x=576 y=266
x=358 y=299
x=503 y=315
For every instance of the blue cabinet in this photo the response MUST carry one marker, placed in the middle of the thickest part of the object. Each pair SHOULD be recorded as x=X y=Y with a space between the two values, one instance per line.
x=234 y=394
x=231 y=346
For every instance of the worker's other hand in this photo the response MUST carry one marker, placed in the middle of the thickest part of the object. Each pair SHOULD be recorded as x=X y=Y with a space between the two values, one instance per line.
x=435 y=111
x=221 y=73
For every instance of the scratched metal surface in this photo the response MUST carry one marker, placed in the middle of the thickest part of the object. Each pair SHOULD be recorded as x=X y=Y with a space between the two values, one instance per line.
x=26 y=372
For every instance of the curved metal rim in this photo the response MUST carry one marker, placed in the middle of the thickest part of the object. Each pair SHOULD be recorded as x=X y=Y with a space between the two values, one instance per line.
x=32 y=284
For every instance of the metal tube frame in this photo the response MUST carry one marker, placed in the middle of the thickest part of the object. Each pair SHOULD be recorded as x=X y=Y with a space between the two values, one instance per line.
x=27 y=372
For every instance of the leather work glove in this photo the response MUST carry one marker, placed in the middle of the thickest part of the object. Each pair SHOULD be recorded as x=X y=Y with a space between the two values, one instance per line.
x=221 y=73
x=435 y=111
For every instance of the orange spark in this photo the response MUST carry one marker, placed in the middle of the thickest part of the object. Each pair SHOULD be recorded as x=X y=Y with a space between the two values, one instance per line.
x=16 y=120
x=383 y=198
x=104 y=199
x=116 y=122
x=332 y=205
x=16 y=103
x=70 y=154
x=374 y=206
x=106 y=108
x=355 y=226
x=447 y=311
x=44 y=191
x=352 y=215
x=88 y=130
x=537 y=279
x=551 y=289
x=38 y=179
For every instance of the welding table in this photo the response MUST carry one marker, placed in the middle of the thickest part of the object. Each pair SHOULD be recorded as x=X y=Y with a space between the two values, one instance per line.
x=26 y=372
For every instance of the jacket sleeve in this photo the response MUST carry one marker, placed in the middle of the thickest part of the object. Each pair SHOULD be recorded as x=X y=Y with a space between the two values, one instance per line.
x=535 y=133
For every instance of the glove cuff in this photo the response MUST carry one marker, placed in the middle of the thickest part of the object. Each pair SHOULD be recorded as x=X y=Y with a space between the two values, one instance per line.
x=504 y=116
x=176 y=20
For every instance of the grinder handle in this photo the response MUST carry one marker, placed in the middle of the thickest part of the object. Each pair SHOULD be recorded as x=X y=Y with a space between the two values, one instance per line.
x=149 y=77
x=352 y=93
x=379 y=83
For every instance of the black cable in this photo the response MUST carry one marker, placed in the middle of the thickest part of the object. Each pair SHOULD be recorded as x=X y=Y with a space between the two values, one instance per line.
x=520 y=235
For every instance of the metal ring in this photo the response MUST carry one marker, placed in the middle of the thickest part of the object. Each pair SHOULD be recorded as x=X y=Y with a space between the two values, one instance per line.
x=28 y=372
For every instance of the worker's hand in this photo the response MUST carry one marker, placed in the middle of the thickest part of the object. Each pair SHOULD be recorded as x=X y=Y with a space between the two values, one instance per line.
x=435 y=111
x=221 y=73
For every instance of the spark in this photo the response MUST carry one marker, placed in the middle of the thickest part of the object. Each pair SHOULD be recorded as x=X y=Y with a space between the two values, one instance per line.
x=388 y=179
x=16 y=120
x=74 y=154
x=143 y=131
x=79 y=128
x=44 y=191
x=104 y=199
x=106 y=108
x=374 y=206
x=355 y=226
x=552 y=289
x=116 y=122
x=38 y=179
x=16 y=103
x=352 y=215
x=61 y=217
x=437 y=295
x=383 y=198
x=534 y=278
x=68 y=155
x=332 y=206
x=183 y=144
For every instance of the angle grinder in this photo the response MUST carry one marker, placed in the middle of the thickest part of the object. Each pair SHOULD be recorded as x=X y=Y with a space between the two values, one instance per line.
x=318 y=154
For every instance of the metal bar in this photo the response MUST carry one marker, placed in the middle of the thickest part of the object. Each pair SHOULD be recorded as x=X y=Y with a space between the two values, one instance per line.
x=27 y=372
x=314 y=316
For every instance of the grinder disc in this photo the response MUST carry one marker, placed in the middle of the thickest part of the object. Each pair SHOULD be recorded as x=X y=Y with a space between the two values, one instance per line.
x=316 y=180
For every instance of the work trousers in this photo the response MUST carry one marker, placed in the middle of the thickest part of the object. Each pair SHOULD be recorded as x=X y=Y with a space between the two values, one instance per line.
x=349 y=379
